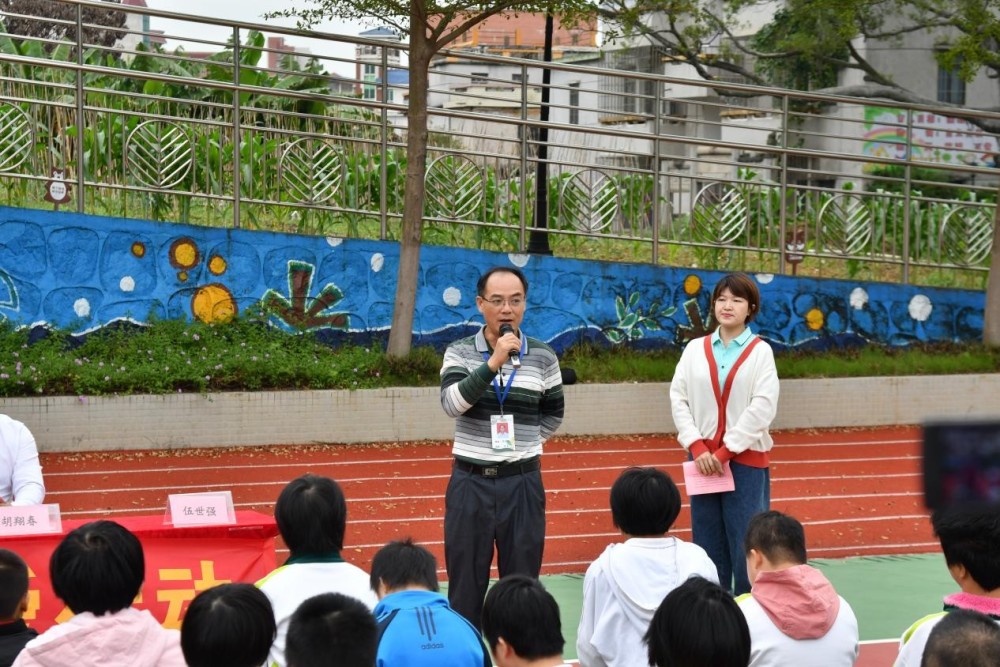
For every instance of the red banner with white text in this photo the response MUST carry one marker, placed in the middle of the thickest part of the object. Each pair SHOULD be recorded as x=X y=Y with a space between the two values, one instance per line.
x=180 y=562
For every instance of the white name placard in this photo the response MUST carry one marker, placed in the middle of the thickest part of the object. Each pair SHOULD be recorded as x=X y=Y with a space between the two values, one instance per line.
x=29 y=520
x=201 y=509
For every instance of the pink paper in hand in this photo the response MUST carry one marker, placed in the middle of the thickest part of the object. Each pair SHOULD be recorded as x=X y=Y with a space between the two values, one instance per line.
x=698 y=484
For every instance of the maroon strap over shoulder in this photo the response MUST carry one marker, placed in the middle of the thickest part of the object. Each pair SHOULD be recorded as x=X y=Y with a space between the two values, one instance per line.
x=722 y=396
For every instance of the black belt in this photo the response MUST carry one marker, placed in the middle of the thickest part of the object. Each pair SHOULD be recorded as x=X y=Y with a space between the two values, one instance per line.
x=501 y=469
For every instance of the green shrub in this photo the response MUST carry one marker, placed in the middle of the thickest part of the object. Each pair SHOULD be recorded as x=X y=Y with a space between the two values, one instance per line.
x=249 y=355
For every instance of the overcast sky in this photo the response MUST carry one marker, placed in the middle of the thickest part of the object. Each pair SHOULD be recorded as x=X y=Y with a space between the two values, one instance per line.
x=249 y=11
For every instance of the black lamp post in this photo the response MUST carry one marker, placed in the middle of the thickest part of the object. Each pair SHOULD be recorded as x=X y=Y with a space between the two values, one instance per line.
x=538 y=241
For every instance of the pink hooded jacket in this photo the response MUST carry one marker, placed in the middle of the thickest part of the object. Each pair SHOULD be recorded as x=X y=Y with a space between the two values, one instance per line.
x=799 y=600
x=126 y=638
x=796 y=618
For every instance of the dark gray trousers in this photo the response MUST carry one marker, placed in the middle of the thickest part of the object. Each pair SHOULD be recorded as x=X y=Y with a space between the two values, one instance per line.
x=481 y=512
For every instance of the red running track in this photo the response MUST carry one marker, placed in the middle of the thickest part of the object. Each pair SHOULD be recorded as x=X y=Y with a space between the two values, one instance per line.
x=856 y=491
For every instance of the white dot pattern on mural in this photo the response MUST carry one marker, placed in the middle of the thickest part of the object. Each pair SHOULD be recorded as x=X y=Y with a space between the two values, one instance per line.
x=859 y=298
x=920 y=307
x=518 y=260
x=452 y=296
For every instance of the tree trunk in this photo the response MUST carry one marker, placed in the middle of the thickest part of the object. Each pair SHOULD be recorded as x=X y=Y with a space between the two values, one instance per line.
x=991 y=314
x=408 y=275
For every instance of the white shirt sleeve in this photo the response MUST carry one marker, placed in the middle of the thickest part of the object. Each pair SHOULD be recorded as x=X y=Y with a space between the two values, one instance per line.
x=586 y=652
x=24 y=470
x=756 y=418
x=680 y=397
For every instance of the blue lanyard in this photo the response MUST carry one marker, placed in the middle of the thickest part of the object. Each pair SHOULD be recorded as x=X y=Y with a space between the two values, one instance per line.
x=502 y=396
x=499 y=387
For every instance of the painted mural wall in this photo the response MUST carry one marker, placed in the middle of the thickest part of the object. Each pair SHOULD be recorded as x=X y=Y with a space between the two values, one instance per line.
x=81 y=273
x=933 y=138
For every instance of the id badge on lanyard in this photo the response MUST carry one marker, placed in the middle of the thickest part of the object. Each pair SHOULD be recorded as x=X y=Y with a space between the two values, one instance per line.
x=502 y=425
x=502 y=430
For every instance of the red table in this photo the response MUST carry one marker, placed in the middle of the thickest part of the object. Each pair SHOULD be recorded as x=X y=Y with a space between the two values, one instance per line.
x=180 y=562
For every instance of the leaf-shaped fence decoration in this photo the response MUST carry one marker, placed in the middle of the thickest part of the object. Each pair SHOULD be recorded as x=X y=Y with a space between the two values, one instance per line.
x=16 y=137
x=590 y=201
x=967 y=235
x=311 y=170
x=158 y=154
x=454 y=188
x=847 y=224
x=720 y=214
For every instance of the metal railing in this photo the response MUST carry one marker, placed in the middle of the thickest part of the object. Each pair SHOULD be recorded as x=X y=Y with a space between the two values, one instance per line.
x=239 y=132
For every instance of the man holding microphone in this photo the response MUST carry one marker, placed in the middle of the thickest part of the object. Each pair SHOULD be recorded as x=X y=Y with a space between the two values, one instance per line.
x=504 y=390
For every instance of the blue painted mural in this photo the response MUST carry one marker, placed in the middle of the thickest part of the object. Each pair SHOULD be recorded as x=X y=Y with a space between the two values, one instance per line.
x=81 y=273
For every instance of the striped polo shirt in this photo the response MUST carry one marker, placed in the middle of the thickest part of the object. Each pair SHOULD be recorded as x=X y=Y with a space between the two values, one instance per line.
x=535 y=399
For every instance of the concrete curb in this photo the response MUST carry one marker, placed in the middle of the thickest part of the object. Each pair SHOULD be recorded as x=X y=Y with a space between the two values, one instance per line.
x=175 y=421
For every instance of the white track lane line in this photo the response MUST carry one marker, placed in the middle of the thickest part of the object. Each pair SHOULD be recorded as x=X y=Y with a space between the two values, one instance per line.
x=445 y=458
x=550 y=471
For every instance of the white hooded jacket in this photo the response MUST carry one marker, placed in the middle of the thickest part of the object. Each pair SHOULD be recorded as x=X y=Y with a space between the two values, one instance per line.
x=622 y=590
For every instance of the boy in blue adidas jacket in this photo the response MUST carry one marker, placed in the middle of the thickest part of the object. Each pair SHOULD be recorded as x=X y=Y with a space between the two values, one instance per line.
x=417 y=626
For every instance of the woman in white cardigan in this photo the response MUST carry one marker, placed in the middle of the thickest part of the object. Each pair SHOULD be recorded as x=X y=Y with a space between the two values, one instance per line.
x=723 y=397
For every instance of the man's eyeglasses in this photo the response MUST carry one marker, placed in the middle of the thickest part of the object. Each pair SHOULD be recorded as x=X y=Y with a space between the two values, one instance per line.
x=497 y=302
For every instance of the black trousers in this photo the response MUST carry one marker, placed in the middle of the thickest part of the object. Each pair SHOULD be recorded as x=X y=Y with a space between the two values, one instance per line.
x=483 y=512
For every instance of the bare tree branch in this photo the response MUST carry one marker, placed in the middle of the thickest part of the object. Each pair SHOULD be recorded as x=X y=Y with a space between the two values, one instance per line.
x=741 y=44
x=862 y=63
x=906 y=30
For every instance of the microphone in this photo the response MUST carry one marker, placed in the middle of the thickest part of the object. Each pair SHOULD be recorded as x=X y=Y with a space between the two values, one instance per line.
x=515 y=355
